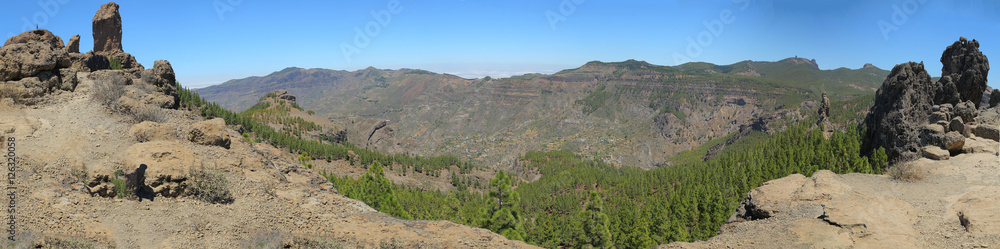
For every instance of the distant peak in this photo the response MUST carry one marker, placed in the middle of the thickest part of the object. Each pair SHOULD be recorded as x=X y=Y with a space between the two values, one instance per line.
x=800 y=60
x=280 y=94
x=869 y=65
x=284 y=71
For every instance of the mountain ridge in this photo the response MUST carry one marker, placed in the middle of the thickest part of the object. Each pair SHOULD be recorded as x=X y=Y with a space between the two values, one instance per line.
x=639 y=104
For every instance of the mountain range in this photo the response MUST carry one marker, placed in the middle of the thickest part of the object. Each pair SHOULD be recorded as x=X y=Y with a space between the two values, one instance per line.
x=625 y=113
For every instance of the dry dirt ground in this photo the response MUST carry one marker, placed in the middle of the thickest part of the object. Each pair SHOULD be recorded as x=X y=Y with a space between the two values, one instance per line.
x=274 y=199
x=955 y=205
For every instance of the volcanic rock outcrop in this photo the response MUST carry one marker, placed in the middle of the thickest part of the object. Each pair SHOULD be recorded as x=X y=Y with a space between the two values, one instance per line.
x=73 y=46
x=108 y=52
x=995 y=97
x=33 y=64
x=107 y=29
x=912 y=112
x=902 y=105
x=964 y=64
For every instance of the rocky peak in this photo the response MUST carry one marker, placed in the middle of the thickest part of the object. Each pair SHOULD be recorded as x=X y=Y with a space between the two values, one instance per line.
x=38 y=35
x=914 y=117
x=73 y=46
x=799 y=60
x=107 y=28
x=967 y=67
x=281 y=94
x=869 y=65
x=32 y=64
x=902 y=105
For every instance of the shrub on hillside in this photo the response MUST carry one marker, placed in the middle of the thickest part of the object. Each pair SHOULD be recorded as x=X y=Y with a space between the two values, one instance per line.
x=909 y=172
x=147 y=113
x=209 y=185
x=121 y=189
x=107 y=90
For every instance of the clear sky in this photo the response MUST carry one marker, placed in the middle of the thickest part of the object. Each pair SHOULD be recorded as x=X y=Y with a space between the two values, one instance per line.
x=211 y=41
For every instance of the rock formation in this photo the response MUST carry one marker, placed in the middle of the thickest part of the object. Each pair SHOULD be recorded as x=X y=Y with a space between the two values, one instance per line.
x=163 y=78
x=967 y=67
x=210 y=132
x=73 y=46
x=107 y=31
x=869 y=65
x=953 y=206
x=107 y=28
x=33 y=64
x=910 y=111
x=824 y=109
x=995 y=97
x=902 y=106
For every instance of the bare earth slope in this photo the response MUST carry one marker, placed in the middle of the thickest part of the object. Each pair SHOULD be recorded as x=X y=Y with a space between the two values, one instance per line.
x=956 y=205
x=274 y=199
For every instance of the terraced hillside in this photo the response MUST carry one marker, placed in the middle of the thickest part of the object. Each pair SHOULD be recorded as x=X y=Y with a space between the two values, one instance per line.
x=621 y=113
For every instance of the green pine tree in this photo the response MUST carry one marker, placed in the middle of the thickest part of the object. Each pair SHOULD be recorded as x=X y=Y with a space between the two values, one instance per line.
x=504 y=220
x=595 y=224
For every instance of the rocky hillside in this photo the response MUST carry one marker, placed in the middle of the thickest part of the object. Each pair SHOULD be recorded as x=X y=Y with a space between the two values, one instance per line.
x=626 y=113
x=942 y=189
x=104 y=158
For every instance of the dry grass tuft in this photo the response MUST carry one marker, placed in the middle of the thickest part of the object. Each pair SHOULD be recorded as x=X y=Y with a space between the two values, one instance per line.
x=907 y=171
x=108 y=89
x=209 y=185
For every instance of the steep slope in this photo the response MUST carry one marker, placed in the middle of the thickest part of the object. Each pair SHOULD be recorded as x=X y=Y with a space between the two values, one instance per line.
x=103 y=153
x=622 y=113
x=274 y=200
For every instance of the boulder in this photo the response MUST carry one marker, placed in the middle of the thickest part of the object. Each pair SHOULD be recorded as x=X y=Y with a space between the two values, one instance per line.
x=932 y=134
x=967 y=110
x=988 y=131
x=953 y=142
x=902 y=106
x=160 y=100
x=73 y=46
x=210 y=132
x=169 y=165
x=163 y=78
x=956 y=124
x=936 y=153
x=107 y=29
x=995 y=98
x=968 y=68
x=30 y=53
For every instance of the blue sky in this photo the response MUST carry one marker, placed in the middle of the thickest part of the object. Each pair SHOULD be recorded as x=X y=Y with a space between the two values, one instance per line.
x=210 y=41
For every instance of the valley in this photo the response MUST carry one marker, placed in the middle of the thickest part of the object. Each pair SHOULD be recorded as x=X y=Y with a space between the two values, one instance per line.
x=628 y=113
